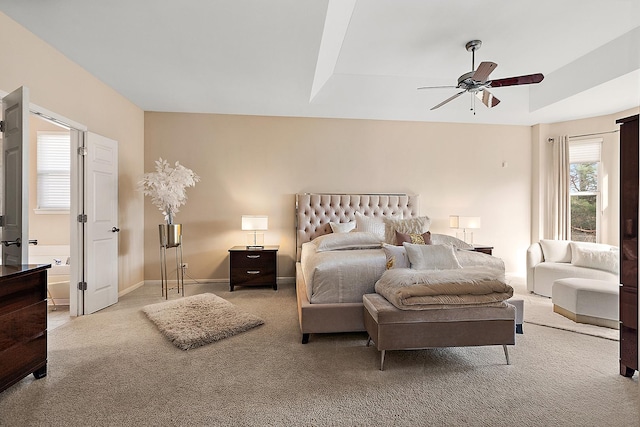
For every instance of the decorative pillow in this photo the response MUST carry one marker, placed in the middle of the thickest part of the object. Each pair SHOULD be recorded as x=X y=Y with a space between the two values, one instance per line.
x=444 y=239
x=432 y=257
x=601 y=259
x=417 y=239
x=370 y=225
x=417 y=225
x=342 y=227
x=396 y=256
x=556 y=250
x=341 y=241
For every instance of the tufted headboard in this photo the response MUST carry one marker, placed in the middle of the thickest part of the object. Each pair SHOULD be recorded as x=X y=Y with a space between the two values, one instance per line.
x=315 y=211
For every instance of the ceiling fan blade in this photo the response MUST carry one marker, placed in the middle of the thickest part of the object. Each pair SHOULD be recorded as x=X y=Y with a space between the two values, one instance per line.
x=437 y=87
x=448 y=99
x=487 y=98
x=483 y=71
x=520 y=80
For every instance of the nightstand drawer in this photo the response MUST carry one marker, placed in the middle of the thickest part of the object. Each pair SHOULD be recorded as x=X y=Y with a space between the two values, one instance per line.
x=252 y=259
x=252 y=277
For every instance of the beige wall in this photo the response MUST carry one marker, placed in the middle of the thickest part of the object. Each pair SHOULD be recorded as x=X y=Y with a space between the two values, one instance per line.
x=543 y=158
x=63 y=87
x=255 y=165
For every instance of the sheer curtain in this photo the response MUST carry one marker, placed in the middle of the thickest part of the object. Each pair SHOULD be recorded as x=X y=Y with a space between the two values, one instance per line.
x=560 y=197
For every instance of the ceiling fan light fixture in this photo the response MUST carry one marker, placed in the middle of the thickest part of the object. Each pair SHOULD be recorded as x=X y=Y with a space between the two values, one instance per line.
x=476 y=81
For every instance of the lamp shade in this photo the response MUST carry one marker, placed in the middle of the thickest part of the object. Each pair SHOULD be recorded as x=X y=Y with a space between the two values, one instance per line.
x=469 y=222
x=254 y=222
x=456 y=221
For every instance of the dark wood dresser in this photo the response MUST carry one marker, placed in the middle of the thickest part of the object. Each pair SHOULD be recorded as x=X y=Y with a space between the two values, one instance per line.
x=628 y=245
x=253 y=267
x=23 y=323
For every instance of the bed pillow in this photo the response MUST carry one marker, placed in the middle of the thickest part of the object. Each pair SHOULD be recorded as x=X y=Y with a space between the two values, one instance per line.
x=396 y=256
x=417 y=225
x=432 y=257
x=342 y=227
x=601 y=259
x=556 y=250
x=342 y=241
x=444 y=239
x=415 y=238
x=370 y=225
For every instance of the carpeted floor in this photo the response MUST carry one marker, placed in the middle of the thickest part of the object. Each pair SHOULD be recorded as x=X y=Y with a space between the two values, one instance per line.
x=114 y=368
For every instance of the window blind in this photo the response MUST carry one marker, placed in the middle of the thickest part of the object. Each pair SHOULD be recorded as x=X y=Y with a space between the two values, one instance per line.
x=53 y=164
x=585 y=151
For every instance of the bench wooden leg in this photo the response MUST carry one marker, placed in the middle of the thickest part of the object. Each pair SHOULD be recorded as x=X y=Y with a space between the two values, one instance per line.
x=506 y=354
x=382 y=360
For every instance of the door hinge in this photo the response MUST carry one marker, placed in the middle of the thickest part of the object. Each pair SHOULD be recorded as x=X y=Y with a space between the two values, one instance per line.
x=1 y=220
x=1 y=125
x=82 y=286
x=82 y=218
x=82 y=151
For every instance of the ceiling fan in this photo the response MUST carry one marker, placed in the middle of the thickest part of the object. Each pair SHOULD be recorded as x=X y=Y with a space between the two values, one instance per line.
x=476 y=83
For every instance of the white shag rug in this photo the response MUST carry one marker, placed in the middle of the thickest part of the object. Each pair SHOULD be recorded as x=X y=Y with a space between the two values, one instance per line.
x=197 y=320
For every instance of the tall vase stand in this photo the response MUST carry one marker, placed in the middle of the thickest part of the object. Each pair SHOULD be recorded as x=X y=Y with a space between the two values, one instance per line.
x=171 y=237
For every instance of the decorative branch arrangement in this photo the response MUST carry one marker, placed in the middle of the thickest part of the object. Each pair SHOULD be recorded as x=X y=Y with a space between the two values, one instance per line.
x=167 y=187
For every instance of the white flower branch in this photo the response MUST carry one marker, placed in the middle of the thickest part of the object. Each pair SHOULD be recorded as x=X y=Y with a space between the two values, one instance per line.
x=167 y=187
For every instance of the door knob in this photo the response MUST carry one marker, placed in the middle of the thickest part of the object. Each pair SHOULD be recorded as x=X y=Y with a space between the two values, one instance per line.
x=115 y=229
x=17 y=242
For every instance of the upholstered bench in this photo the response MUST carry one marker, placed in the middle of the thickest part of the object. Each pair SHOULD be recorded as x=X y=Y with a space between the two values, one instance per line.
x=591 y=301
x=393 y=329
x=518 y=303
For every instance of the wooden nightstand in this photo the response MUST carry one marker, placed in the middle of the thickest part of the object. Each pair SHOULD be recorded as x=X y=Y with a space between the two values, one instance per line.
x=484 y=249
x=253 y=267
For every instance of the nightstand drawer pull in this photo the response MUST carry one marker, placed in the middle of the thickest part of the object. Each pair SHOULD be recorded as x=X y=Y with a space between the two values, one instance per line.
x=253 y=256
x=253 y=271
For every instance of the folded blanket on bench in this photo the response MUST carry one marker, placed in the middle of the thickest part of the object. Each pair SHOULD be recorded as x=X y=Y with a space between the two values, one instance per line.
x=409 y=289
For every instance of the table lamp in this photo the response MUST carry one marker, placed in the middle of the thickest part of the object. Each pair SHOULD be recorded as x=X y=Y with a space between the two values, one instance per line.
x=255 y=223
x=464 y=223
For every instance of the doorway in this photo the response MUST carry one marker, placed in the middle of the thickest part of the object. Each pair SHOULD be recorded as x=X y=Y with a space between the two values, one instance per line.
x=49 y=214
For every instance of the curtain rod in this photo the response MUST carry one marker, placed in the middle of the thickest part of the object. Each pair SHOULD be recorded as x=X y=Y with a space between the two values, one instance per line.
x=587 y=134
x=594 y=134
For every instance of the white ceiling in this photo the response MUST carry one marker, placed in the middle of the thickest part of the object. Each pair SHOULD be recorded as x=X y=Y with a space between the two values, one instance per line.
x=350 y=58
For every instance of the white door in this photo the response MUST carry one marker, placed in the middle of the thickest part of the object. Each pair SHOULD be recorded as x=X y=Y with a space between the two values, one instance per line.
x=15 y=161
x=101 y=227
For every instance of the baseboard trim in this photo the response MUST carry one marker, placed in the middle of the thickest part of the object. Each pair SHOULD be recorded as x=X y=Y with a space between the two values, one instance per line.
x=190 y=281
x=130 y=289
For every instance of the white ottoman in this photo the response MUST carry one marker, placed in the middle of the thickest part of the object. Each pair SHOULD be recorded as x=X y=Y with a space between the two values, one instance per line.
x=595 y=302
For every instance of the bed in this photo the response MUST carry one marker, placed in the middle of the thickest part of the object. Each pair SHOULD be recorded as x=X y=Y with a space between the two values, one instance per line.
x=331 y=281
x=314 y=213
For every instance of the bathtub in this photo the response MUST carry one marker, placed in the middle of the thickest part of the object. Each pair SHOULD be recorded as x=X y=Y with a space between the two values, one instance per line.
x=58 y=274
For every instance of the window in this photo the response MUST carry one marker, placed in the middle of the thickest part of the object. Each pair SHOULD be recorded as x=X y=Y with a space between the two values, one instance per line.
x=54 y=181
x=584 y=190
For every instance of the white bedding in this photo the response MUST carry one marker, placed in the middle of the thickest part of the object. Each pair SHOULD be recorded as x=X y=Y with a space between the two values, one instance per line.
x=342 y=275
x=345 y=275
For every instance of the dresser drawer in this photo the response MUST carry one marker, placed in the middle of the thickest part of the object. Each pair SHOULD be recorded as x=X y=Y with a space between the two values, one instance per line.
x=21 y=293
